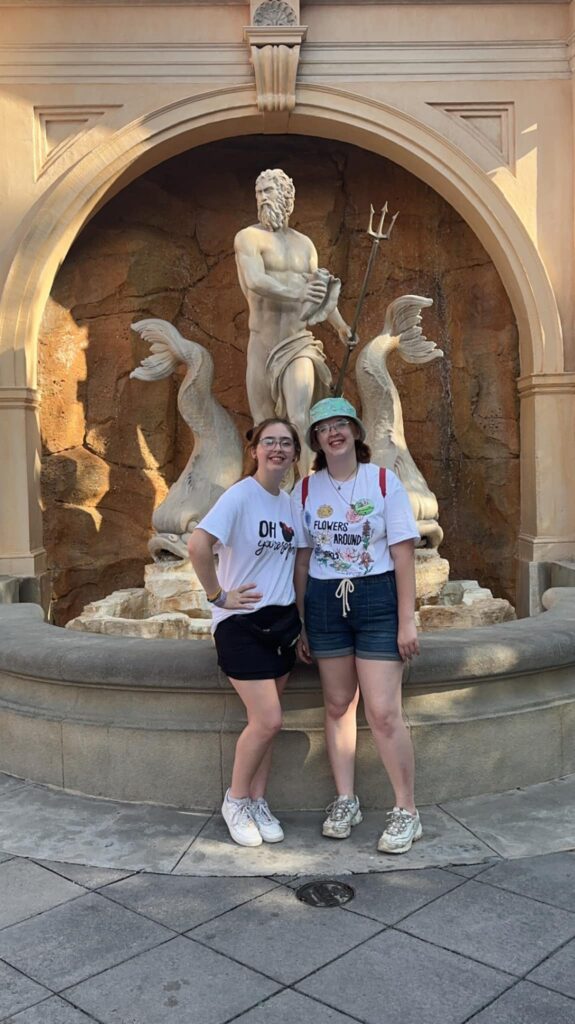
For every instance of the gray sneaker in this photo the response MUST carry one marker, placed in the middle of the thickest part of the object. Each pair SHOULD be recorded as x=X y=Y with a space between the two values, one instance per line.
x=401 y=831
x=342 y=815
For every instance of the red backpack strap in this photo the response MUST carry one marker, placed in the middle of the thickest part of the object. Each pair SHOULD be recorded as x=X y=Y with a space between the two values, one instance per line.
x=382 y=480
x=304 y=490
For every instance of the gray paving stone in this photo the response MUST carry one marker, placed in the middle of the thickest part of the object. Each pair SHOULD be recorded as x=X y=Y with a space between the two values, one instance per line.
x=496 y=927
x=88 y=877
x=9 y=781
x=306 y=852
x=522 y=822
x=550 y=878
x=283 y=938
x=472 y=870
x=47 y=824
x=558 y=972
x=52 y=1011
x=74 y=941
x=398 y=978
x=390 y=897
x=17 y=992
x=527 y=1004
x=27 y=889
x=289 y=1007
x=180 y=983
x=181 y=902
x=5 y=856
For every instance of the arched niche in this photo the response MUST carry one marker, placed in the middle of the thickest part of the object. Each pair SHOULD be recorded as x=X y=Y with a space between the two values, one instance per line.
x=60 y=214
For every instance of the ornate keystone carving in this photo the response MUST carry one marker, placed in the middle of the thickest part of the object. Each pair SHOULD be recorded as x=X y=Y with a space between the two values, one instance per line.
x=274 y=12
x=275 y=38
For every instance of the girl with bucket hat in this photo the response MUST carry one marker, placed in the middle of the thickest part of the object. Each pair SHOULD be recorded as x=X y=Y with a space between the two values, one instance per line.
x=254 y=620
x=355 y=586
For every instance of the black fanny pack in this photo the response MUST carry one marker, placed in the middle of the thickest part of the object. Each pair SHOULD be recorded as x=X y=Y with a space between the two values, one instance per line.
x=280 y=634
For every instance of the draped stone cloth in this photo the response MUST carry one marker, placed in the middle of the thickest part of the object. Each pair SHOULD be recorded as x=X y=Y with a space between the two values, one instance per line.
x=301 y=345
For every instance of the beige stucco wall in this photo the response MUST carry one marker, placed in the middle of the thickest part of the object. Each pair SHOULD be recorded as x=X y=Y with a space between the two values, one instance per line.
x=475 y=99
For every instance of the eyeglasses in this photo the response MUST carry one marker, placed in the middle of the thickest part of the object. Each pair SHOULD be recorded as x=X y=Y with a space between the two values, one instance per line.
x=325 y=428
x=279 y=442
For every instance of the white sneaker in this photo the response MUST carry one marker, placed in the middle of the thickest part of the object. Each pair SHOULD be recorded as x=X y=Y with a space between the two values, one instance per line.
x=401 y=831
x=342 y=815
x=268 y=826
x=238 y=817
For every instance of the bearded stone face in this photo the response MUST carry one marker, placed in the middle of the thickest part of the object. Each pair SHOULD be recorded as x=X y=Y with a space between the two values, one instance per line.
x=274 y=199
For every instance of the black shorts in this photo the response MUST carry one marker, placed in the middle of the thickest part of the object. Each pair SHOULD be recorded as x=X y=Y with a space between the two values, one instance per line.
x=242 y=655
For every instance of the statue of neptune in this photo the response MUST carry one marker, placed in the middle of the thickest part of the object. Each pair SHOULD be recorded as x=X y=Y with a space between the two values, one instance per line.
x=285 y=291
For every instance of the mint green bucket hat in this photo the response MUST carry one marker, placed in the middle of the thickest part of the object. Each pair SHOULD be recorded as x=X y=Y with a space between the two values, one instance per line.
x=326 y=410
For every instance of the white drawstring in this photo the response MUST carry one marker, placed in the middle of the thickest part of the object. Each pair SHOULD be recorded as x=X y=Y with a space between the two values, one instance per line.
x=345 y=588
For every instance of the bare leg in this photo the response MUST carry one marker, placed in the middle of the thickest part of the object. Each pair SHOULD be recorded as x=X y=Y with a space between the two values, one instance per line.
x=298 y=388
x=380 y=684
x=340 y=695
x=261 y=700
x=260 y=779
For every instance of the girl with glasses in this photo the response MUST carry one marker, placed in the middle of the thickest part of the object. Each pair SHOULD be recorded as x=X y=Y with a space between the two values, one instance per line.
x=255 y=620
x=355 y=582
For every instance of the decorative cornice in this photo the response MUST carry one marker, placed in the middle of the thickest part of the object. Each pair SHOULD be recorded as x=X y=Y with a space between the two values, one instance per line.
x=242 y=3
x=428 y=60
x=19 y=398
x=436 y=60
x=546 y=384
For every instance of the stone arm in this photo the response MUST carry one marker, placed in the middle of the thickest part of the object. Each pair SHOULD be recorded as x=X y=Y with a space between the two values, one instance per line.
x=343 y=331
x=254 y=278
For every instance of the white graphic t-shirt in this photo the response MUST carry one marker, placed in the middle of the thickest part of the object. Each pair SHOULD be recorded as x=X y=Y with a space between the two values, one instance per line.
x=256 y=544
x=350 y=530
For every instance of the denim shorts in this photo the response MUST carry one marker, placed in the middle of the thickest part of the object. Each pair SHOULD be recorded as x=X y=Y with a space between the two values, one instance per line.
x=368 y=630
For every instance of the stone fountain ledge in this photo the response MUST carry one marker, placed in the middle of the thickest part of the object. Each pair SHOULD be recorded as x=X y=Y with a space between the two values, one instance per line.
x=490 y=709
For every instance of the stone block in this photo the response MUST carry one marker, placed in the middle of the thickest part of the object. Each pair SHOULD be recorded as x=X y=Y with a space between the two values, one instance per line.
x=30 y=747
x=177 y=767
x=562 y=574
x=37 y=590
x=485 y=755
x=431 y=574
x=9 y=589
x=478 y=593
x=479 y=612
x=174 y=586
x=463 y=592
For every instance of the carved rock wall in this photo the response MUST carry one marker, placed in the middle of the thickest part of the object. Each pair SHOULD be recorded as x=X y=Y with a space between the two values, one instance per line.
x=164 y=248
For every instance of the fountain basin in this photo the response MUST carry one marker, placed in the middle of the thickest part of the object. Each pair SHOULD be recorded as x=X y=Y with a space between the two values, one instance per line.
x=120 y=717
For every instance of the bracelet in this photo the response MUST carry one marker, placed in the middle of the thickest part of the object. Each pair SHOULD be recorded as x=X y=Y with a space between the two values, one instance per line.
x=221 y=599
x=212 y=598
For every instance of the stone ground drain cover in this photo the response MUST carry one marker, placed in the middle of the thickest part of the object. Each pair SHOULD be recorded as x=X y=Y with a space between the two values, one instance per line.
x=325 y=893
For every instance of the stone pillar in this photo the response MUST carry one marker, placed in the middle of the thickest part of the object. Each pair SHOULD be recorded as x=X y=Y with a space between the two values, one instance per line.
x=21 y=550
x=547 y=530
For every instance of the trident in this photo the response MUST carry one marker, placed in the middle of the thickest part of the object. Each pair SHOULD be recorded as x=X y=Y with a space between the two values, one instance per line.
x=377 y=236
